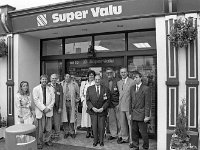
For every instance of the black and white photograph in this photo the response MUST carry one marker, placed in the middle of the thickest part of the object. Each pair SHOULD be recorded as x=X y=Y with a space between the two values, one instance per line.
x=99 y=75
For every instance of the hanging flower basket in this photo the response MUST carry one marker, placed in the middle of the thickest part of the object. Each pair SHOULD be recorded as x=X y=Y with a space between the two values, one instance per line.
x=3 y=48
x=183 y=32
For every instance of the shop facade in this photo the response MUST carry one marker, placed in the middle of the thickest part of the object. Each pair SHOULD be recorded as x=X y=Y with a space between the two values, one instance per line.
x=74 y=37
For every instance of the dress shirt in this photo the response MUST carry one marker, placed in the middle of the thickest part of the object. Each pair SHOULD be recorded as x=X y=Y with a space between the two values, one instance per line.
x=99 y=88
x=138 y=86
x=124 y=80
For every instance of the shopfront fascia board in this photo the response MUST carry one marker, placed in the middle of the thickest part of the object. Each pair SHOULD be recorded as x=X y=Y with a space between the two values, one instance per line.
x=87 y=14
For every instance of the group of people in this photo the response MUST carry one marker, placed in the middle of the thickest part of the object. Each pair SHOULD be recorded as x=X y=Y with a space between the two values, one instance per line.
x=119 y=108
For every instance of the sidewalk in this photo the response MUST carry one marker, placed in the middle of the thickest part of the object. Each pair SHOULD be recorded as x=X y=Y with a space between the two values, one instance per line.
x=82 y=143
x=80 y=140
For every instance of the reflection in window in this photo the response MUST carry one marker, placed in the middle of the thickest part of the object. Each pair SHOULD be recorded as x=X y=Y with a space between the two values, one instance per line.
x=145 y=65
x=142 y=40
x=77 y=45
x=111 y=42
x=52 y=47
x=51 y=67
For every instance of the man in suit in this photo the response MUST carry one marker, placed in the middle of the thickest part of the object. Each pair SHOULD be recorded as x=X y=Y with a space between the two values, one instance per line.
x=70 y=99
x=97 y=99
x=140 y=111
x=58 y=91
x=124 y=86
x=113 y=112
x=44 y=98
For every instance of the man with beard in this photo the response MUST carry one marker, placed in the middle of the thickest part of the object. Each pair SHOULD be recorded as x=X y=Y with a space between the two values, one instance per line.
x=44 y=99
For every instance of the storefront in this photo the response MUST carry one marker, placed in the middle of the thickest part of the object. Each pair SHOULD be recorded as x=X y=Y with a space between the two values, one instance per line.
x=133 y=34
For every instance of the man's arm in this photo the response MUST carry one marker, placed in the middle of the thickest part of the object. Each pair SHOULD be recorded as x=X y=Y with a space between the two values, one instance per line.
x=61 y=98
x=88 y=100
x=36 y=100
x=147 y=104
x=107 y=103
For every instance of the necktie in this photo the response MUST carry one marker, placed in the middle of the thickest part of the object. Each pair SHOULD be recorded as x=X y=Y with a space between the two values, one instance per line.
x=97 y=91
x=123 y=84
x=44 y=95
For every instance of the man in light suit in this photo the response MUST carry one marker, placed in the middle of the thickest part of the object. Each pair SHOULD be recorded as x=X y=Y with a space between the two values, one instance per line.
x=140 y=111
x=44 y=98
x=124 y=86
x=57 y=109
x=98 y=99
x=70 y=99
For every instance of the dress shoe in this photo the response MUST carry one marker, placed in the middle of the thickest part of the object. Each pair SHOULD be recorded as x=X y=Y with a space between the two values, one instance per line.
x=101 y=144
x=40 y=146
x=94 y=144
x=119 y=139
x=88 y=135
x=131 y=145
x=123 y=141
x=49 y=143
x=111 y=138
x=92 y=136
x=66 y=136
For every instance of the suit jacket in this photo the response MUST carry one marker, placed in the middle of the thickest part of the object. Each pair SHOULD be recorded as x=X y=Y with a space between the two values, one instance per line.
x=93 y=101
x=114 y=92
x=58 y=91
x=140 y=102
x=38 y=101
x=124 y=94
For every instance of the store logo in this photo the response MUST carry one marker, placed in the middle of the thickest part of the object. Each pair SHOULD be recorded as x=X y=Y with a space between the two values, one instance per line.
x=42 y=20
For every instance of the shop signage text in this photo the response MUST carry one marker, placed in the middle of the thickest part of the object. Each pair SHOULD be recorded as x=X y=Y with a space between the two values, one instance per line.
x=92 y=61
x=96 y=12
x=99 y=12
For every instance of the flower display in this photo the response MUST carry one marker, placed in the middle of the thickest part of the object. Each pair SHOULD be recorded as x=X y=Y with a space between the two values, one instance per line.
x=183 y=32
x=180 y=138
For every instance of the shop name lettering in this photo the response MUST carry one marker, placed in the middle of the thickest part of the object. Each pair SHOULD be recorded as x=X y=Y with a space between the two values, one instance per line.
x=106 y=61
x=96 y=12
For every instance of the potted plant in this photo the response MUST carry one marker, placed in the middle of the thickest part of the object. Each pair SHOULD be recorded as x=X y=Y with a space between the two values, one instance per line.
x=183 y=32
x=3 y=48
x=181 y=139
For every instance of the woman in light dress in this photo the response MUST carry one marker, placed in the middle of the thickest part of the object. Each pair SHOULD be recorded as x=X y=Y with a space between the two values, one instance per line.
x=85 y=120
x=25 y=114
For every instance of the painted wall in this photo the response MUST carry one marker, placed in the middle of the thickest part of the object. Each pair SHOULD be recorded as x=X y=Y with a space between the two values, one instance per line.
x=26 y=61
x=161 y=77
x=3 y=86
x=177 y=72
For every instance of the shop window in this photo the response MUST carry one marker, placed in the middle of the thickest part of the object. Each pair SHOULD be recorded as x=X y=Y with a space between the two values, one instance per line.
x=77 y=45
x=51 y=67
x=52 y=47
x=142 y=40
x=111 y=42
x=80 y=67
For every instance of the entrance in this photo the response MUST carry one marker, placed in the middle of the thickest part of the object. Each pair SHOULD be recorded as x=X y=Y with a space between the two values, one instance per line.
x=134 y=50
x=79 y=68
